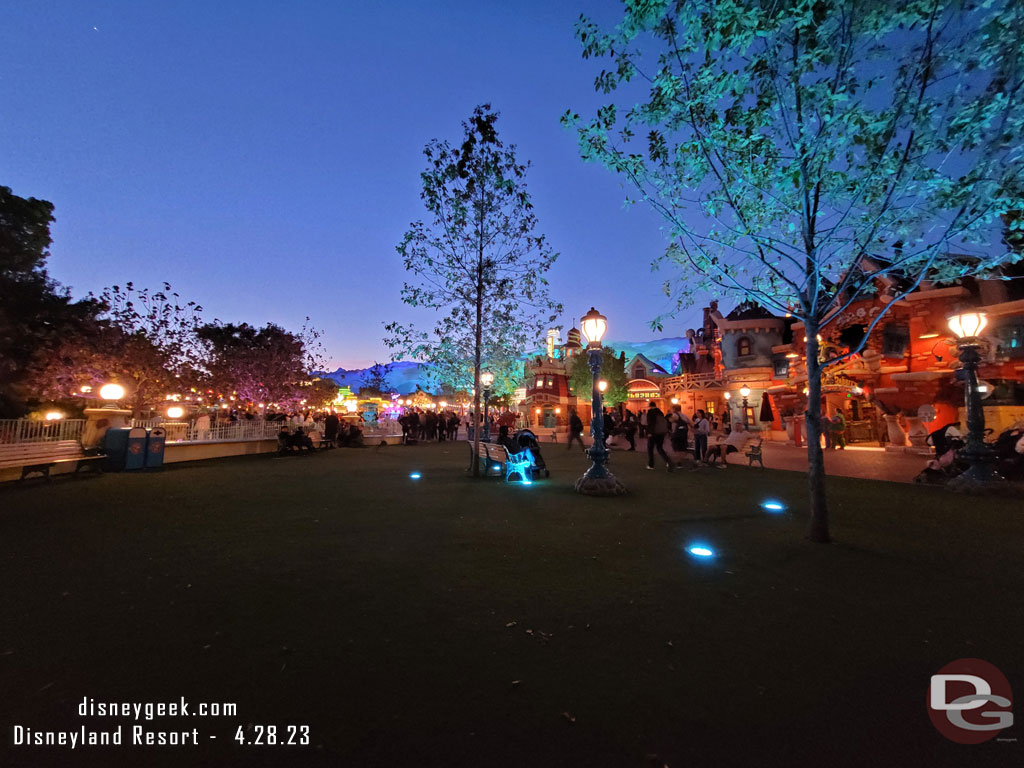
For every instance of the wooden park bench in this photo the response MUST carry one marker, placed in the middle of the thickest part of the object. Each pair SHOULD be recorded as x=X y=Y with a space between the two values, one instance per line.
x=39 y=457
x=496 y=458
x=753 y=453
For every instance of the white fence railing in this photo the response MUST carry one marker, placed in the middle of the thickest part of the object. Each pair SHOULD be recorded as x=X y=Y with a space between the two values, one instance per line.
x=33 y=431
x=190 y=432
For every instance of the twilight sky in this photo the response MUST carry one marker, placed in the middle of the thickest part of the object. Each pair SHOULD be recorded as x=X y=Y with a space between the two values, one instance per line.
x=264 y=157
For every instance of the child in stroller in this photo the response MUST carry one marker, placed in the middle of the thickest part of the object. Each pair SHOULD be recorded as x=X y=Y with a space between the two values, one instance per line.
x=526 y=439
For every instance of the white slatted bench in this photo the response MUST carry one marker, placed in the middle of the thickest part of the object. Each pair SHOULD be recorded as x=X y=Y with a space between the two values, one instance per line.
x=40 y=457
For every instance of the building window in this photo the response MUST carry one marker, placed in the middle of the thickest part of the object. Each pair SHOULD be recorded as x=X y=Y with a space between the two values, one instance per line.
x=638 y=371
x=895 y=340
x=744 y=347
x=781 y=367
x=551 y=383
x=709 y=406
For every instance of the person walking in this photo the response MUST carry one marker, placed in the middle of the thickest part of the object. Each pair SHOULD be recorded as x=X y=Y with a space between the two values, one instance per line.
x=629 y=426
x=680 y=431
x=838 y=430
x=575 y=429
x=608 y=427
x=657 y=427
x=701 y=430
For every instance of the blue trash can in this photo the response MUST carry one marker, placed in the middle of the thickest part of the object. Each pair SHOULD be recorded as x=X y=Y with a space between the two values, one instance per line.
x=115 y=448
x=135 y=458
x=156 y=440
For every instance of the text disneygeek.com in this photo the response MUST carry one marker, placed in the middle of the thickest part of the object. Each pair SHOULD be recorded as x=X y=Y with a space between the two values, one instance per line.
x=146 y=735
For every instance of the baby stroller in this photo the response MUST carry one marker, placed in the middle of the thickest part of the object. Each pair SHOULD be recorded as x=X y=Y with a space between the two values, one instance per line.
x=527 y=439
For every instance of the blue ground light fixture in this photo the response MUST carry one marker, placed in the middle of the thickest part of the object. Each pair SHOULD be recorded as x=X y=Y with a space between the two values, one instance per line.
x=415 y=475
x=773 y=505
x=702 y=551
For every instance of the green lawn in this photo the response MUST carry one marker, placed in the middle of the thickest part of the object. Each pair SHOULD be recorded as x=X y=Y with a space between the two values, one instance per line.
x=460 y=622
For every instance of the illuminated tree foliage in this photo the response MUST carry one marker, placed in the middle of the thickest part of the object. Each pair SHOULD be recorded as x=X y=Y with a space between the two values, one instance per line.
x=789 y=144
x=613 y=370
x=477 y=264
x=150 y=345
x=260 y=365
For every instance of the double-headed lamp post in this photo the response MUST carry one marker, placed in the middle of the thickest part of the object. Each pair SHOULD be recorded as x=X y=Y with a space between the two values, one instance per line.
x=597 y=481
x=745 y=393
x=967 y=327
x=486 y=379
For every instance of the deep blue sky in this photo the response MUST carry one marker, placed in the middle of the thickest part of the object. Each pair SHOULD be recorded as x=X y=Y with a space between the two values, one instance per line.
x=264 y=157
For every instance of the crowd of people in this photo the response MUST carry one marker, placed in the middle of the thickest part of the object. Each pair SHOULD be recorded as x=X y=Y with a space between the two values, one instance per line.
x=419 y=425
x=685 y=433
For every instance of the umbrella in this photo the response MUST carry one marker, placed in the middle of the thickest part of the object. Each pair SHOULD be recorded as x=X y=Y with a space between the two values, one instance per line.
x=766 y=408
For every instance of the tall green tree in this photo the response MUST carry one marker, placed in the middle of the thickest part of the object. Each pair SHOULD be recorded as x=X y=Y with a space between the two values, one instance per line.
x=613 y=370
x=46 y=338
x=477 y=263
x=788 y=144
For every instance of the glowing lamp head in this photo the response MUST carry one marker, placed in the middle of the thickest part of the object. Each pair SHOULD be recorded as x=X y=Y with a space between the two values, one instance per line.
x=602 y=386
x=54 y=416
x=968 y=325
x=111 y=392
x=537 y=411
x=594 y=324
x=175 y=412
x=727 y=395
x=444 y=404
x=415 y=476
x=558 y=410
x=675 y=401
x=744 y=391
x=86 y=389
x=486 y=379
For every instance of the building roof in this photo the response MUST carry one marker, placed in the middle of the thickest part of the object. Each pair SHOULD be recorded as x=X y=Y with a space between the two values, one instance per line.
x=652 y=367
x=750 y=310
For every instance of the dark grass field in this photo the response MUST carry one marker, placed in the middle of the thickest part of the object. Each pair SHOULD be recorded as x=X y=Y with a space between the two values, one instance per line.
x=449 y=621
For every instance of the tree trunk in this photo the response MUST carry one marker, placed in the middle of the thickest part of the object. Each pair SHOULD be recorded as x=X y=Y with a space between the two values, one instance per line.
x=477 y=353
x=818 y=530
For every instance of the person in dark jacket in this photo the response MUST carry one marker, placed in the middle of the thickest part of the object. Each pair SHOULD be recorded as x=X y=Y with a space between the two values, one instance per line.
x=575 y=428
x=629 y=427
x=608 y=426
x=331 y=424
x=657 y=428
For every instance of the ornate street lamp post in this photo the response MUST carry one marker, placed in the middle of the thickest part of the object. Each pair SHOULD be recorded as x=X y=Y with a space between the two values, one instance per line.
x=486 y=379
x=597 y=481
x=967 y=327
x=745 y=393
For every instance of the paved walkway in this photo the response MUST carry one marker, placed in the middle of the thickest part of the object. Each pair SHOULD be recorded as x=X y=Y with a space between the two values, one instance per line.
x=869 y=462
x=855 y=461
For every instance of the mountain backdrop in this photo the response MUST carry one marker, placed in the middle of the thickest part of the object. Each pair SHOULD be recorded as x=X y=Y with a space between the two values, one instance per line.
x=405 y=376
